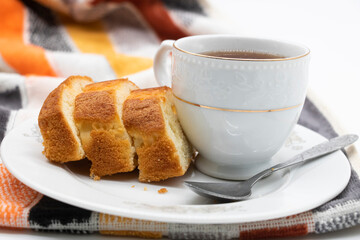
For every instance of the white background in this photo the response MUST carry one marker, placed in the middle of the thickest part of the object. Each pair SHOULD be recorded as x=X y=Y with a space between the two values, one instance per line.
x=330 y=28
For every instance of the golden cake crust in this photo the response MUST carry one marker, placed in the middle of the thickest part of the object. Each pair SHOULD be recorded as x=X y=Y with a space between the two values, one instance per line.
x=95 y=106
x=144 y=115
x=103 y=149
x=60 y=144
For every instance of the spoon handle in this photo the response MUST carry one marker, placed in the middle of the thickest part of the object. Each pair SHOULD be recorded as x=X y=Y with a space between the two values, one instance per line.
x=319 y=150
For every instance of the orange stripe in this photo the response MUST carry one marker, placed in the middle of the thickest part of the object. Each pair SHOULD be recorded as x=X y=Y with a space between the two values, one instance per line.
x=157 y=17
x=137 y=234
x=275 y=233
x=25 y=59
x=12 y=19
x=14 y=207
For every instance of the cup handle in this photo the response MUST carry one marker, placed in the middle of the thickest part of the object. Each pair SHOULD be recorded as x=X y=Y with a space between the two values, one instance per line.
x=162 y=70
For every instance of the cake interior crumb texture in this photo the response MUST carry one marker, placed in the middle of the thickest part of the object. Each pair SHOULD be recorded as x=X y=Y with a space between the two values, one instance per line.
x=68 y=99
x=175 y=132
x=56 y=121
x=121 y=96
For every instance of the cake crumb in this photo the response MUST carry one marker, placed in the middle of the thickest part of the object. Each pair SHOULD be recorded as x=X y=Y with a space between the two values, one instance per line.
x=145 y=188
x=132 y=186
x=94 y=177
x=162 y=191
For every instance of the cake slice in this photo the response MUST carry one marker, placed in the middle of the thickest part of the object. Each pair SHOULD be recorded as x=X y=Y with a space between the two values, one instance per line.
x=104 y=138
x=56 y=122
x=150 y=118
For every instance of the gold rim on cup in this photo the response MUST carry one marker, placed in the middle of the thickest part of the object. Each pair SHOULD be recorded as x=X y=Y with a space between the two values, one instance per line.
x=238 y=110
x=243 y=59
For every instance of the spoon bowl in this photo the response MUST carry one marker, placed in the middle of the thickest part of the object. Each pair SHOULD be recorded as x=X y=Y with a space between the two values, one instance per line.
x=232 y=191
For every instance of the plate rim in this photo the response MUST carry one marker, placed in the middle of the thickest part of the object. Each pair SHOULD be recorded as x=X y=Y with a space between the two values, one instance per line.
x=174 y=218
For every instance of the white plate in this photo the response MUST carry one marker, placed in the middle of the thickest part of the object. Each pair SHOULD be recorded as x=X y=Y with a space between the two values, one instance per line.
x=284 y=193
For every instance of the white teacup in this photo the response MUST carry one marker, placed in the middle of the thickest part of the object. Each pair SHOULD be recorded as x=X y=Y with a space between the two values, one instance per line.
x=236 y=112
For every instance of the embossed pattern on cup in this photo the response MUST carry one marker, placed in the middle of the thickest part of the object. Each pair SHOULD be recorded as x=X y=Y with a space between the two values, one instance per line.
x=239 y=84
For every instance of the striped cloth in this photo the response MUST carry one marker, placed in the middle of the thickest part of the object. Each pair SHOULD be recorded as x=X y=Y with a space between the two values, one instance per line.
x=44 y=41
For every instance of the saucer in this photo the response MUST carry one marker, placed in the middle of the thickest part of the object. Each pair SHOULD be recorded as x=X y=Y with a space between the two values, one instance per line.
x=284 y=193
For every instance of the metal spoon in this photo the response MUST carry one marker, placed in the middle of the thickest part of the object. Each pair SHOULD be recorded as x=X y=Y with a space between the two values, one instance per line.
x=236 y=191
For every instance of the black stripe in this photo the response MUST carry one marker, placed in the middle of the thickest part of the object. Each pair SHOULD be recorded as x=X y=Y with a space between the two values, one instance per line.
x=4 y=119
x=49 y=211
x=11 y=99
x=43 y=28
x=64 y=231
x=186 y=5
x=312 y=118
